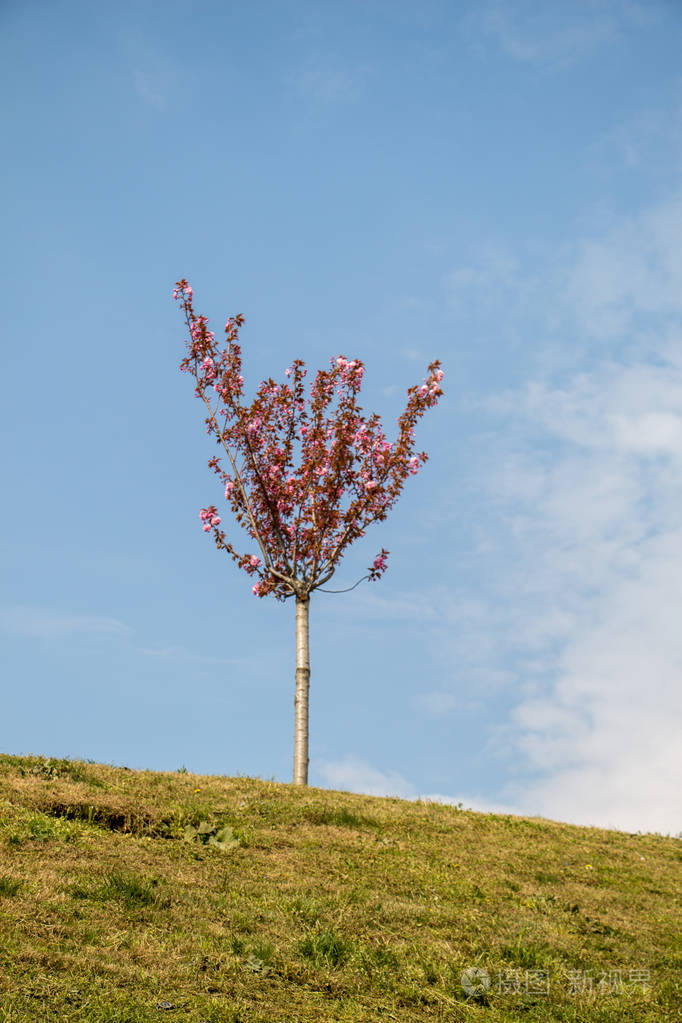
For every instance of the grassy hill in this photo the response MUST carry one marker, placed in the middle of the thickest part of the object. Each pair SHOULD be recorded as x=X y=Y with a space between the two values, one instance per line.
x=131 y=896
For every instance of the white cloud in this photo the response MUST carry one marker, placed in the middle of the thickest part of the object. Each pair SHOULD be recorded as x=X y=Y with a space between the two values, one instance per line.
x=439 y=703
x=584 y=480
x=31 y=621
x=414 y=355
x=353 y=774
x=632 y=274
x=582 y=620
x=478 y=803
x=329 y=82
x=490 y=279
x=558 y=34
x=651 y=432
x=622 y=288
x=648 y=140
x=601 y=546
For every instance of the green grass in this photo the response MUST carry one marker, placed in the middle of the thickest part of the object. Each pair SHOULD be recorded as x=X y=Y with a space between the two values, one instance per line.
x=235 y=900
x=9 y=885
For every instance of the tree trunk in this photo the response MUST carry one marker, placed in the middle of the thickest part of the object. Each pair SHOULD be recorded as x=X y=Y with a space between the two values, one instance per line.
x=301 y=698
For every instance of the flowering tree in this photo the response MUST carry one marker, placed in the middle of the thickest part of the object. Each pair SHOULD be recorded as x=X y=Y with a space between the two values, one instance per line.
x=295 y=514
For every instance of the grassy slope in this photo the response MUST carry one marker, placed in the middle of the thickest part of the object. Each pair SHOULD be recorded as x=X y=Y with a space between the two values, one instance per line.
x=325 y=906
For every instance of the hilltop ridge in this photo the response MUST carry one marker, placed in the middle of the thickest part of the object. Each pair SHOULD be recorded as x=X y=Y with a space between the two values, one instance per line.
x=133 y=895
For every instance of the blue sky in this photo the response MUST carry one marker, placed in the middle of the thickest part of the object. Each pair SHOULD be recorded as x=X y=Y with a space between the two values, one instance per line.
x=496 y=185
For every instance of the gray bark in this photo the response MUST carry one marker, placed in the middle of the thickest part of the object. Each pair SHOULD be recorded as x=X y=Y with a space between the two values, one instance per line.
x=302 y=688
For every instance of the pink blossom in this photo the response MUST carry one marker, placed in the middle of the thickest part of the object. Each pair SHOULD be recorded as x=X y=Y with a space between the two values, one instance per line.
x=209 y=518
x=271 y=494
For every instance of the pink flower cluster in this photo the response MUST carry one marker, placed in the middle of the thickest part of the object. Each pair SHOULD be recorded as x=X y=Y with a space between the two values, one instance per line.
x=209 y=518
x=378 y=566
x=294 y=513
x=209 y=368
x=431 y=393
x=351 y=372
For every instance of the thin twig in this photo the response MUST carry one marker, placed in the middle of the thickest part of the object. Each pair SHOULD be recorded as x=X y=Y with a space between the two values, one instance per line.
x=343 y=591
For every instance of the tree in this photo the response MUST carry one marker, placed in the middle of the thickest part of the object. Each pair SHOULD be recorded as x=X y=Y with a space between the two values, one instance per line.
x=295 y=515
